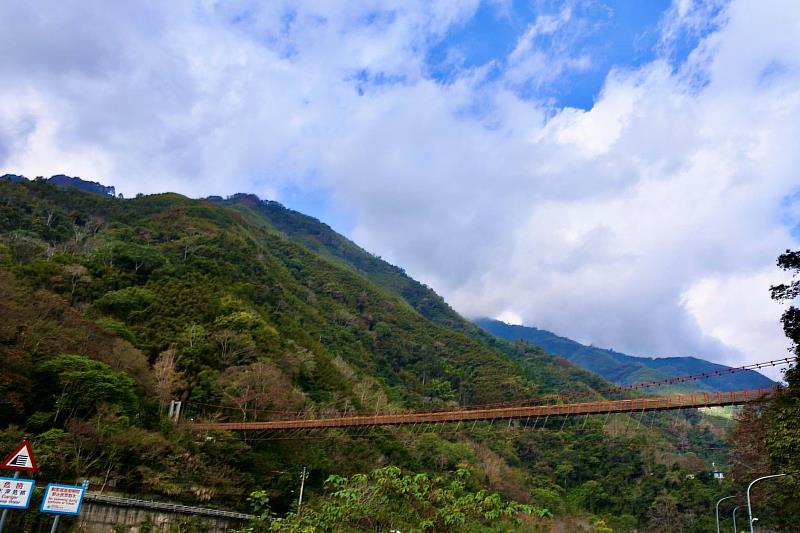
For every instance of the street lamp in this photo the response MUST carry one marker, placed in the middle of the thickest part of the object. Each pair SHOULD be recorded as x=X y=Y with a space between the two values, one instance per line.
x=720 y=501
x=734 y=519
x=749 y=508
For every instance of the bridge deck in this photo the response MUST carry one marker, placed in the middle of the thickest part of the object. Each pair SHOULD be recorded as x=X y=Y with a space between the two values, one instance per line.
x=660 y=403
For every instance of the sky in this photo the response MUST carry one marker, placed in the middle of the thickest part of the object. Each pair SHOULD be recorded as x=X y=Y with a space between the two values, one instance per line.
x=622 y=173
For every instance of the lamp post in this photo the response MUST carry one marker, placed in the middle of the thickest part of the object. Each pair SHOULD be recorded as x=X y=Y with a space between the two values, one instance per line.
x=749 y=508
x=718 y=502
x=734 y=519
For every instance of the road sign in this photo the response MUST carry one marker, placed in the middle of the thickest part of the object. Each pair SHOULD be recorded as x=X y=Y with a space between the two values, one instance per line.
x=62 y=499
x=21 y=459
x=15 y=493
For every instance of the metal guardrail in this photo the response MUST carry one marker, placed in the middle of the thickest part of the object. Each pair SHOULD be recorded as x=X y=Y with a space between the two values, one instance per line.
x=119 y=501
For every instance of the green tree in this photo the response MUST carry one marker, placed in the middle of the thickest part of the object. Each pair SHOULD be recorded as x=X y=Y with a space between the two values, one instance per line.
x=128 y=304
x=77 y=385
x=788 y=292
x=783 y=437
x=767 y=437
x=388 y=499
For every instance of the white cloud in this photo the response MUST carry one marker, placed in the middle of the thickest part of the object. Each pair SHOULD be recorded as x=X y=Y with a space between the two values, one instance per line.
x=632 y=225
x=510 y=317
x=544 y=51
x=738 y=311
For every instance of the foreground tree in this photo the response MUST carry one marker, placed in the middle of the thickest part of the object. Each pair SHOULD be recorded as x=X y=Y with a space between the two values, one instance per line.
x=784 y=438
x=766 y=439
x=788 y=292
x=388 y=499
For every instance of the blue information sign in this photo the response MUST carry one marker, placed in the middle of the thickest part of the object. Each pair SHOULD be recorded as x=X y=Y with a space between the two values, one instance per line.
x=62 y=499
x=15 y=493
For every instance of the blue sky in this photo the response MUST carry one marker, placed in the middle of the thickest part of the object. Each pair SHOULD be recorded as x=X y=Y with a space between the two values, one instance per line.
x=622 y=173
x=613 y=34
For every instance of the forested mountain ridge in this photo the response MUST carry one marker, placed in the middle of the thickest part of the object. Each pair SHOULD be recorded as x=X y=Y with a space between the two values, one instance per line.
x=311 y=301
x=625 y=369
x=62 y=181
x=616 y=367
x=111 y=308
x=322 y=239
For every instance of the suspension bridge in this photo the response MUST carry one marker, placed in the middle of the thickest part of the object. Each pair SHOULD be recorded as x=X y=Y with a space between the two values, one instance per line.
x=636 y=405
x=565 y=406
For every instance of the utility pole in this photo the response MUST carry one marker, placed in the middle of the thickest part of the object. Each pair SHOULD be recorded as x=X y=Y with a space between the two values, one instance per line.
x=303 y=477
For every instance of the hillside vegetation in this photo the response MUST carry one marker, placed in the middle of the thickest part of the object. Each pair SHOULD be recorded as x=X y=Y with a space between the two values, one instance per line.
x=244 y=310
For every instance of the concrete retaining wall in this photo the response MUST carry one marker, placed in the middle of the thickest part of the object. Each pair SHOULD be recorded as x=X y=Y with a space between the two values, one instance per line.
x=108 y=514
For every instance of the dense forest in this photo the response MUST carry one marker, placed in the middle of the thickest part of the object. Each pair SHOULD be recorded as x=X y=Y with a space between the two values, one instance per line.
x=245 y=310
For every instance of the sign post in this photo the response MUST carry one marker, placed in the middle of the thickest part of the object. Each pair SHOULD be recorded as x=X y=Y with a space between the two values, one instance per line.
x=16 y=493
x=62 y=499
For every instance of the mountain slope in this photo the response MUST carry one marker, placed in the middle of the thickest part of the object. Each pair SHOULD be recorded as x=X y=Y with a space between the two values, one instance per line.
x=626 y=369
x=615 y=367
x=233 y=318
x=321 y=239
x=113 y=307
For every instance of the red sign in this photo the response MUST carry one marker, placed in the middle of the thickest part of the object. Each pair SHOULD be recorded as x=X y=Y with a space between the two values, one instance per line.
x=21 y=459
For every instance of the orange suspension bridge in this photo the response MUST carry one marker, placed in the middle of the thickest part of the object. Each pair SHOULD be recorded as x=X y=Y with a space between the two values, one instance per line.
x=508 y=411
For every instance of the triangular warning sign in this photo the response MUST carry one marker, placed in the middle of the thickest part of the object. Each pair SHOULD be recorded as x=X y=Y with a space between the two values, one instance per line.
x=21 y=459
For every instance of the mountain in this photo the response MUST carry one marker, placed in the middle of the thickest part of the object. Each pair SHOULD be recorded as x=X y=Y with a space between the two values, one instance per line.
x=322 y=240
x=62 y=181
x=627 y=369
x=246 y=310
x=616 y=367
